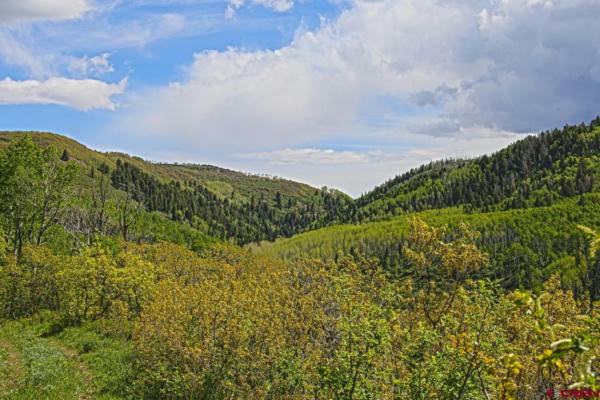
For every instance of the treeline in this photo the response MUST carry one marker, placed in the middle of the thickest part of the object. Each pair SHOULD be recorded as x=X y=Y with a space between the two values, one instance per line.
x=229 y=325
x=536 y=171
x=242 y=222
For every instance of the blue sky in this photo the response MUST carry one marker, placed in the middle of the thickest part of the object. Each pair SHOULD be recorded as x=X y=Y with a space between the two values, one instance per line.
x=343 y=93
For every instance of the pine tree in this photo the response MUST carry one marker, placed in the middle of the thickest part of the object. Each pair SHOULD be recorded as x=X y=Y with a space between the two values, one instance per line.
x=65 y=155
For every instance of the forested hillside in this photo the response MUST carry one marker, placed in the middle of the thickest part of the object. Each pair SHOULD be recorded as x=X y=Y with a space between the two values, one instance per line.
x=536 y=171
x=221 y=181
x=526 y=246
x=229 y=205
x=244 y=221
x=526 y=201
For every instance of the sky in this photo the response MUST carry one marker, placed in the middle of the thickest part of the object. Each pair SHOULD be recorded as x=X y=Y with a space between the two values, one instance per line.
x=337 y=93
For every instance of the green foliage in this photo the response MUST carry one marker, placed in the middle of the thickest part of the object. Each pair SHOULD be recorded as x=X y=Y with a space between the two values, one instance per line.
x=159 y=321
x=533 y=172
x=3 y=248
x=524 y=245
x=242 y=222
x=47 y=372
x=458 y=303
x=31 y=284
x=34 y=189
x=595 y=243
x=302 y=205
x=342 y=330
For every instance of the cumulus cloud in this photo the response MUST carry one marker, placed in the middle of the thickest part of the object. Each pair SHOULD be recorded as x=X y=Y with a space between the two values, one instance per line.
x=95 y=66
x=232 y=95
x=436 y=97
x=15 y=10
x=503 y=66
x=84 y=94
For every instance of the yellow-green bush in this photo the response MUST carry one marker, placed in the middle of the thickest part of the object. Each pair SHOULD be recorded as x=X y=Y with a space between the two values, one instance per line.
x=253 y=328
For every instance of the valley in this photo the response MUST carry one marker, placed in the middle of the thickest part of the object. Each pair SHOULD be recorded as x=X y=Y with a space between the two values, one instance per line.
x=122 y=278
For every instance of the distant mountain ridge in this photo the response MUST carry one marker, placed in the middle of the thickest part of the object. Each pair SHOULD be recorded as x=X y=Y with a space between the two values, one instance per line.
x=537 y=171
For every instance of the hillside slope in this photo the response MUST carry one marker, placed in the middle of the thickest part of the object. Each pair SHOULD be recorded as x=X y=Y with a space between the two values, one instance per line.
x=220 y=181
x=526 y=200
x=226 y=204
x=536 y=171
x=526 y=246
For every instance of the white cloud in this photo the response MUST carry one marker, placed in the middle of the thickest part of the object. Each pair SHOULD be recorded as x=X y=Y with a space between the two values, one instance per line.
x=15 y=52
x=95 y=66
x=15 y=10
x=44 y=50
x=309 y=156
x=84 y=94
x=48 y=45
x=133 y=33
x=356 y=172
x=232 y=95
x=277 y=5
x=449 y=68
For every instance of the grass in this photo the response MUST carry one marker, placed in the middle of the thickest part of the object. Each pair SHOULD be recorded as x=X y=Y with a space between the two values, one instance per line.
x=4 y=368
x=110 y=361
x=10 y=366
x=77 y=363
x=47 y=372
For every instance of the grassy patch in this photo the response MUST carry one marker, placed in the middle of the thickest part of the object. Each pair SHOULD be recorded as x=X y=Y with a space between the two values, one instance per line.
x=74 y=363
x=47 y=372
x=9 y=366
x=109 y=360
x=4 y=370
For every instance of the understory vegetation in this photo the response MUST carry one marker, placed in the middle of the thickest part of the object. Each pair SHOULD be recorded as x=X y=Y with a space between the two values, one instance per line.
x=171 y=324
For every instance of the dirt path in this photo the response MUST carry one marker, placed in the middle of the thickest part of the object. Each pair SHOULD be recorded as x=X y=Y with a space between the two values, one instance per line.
x=74 y=357
x=14 y=365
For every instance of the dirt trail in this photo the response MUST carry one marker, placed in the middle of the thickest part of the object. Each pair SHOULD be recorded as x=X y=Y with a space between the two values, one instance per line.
x=87 y=375
x=14 y=365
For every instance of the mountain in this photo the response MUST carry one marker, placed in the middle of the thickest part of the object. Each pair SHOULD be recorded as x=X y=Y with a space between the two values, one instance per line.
x=526 y=201
x=536 y=171
x=218 y=180
x=226 y=204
